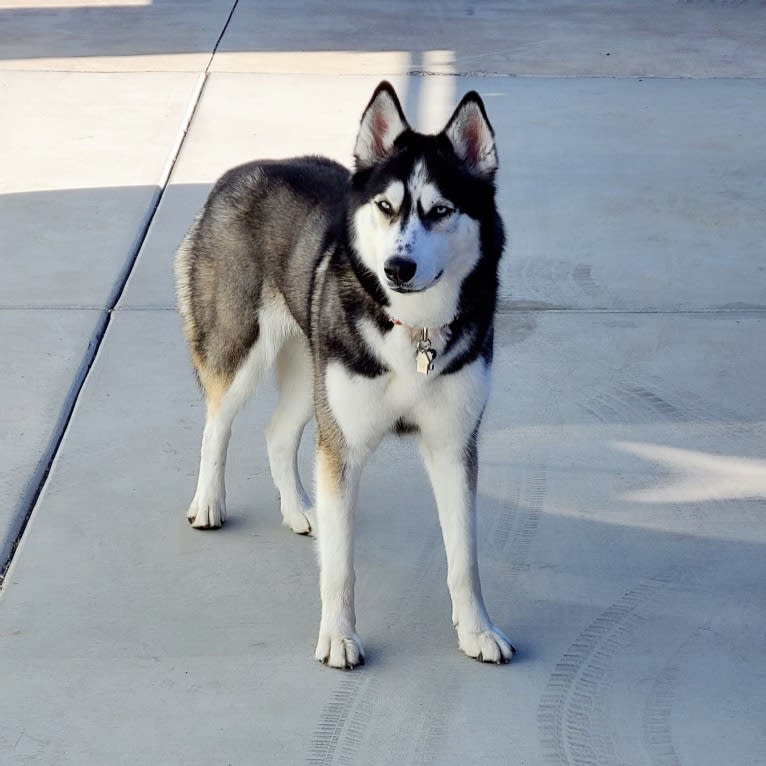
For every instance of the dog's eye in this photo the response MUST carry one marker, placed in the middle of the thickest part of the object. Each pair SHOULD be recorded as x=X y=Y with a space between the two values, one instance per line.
x=439 y=212
x=385 y=207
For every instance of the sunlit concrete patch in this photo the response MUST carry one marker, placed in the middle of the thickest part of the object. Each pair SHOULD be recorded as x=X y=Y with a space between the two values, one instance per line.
x=178 y=62
x=343 y=61
x=90 y=130
x=436 y=96
x=313 y=62
x=83 y=163
x=699 y=476
x=242 y=117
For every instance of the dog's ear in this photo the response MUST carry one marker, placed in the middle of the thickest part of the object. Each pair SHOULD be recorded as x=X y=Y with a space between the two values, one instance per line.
x=472 y=136
x=382 y=122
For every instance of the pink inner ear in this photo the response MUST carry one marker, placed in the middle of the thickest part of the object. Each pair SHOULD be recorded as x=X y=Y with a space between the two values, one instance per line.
x=378 y=129
x=472 y=140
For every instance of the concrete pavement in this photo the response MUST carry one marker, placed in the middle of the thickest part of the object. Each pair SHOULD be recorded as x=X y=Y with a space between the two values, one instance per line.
x=622 y=525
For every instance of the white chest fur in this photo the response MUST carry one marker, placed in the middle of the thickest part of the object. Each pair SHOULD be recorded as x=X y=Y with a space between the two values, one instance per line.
x=367 y=408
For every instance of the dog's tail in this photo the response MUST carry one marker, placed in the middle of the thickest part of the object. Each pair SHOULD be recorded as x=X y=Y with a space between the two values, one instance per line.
x=182 y=266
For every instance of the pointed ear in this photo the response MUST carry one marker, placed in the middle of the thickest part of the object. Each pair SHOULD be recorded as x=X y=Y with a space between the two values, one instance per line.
x=472 y=136
x=382 y=122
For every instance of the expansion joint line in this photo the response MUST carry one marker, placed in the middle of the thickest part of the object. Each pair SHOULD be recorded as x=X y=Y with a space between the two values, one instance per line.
x=40 y=477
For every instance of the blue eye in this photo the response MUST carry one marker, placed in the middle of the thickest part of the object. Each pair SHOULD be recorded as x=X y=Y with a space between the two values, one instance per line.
x=439 y=212
x=385 y=207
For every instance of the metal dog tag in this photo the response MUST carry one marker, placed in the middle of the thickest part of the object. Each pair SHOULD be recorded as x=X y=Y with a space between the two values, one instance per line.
x=425 y=361
x=426 y=354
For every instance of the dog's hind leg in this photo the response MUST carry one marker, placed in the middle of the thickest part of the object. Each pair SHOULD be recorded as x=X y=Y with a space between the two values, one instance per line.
x=225 y=396
x=208 y=508
x=283 y=434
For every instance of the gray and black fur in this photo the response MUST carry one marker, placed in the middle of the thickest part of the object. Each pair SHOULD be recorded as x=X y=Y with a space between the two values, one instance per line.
x=272 y=271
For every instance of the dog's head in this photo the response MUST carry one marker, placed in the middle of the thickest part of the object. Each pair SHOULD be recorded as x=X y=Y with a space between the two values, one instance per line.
x=419 y=203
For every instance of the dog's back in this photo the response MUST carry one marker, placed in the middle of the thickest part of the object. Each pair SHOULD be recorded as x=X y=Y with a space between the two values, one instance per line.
x=264 y=225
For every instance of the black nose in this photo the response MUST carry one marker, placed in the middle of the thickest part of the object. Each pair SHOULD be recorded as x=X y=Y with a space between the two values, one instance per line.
x=400 y=270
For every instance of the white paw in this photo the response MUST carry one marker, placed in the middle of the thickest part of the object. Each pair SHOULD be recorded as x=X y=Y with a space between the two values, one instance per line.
x=207 y=512
x=300 y=521
x=487 y=645
x=339 y=649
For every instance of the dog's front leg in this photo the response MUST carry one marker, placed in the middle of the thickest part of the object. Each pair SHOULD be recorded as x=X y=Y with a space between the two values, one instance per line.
x=453 y=472
x=337 y=480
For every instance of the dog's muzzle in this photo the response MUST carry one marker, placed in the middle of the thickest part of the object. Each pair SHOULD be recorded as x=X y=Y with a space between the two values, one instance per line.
x=399 y=271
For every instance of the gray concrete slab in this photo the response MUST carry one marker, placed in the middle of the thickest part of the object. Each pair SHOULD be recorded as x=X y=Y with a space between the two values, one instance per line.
x=556 y=38
x=84 y=158
x=623 y=480
x=43 y=355
x=110 y=35
x=633 y=193
x=617 y=194
x=639 y=620
x=552 y=38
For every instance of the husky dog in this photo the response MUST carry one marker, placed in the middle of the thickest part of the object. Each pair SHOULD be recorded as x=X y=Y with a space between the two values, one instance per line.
x=373 y=295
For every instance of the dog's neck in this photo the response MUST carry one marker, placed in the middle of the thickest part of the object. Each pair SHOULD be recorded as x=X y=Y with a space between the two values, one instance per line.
x=422 y=337
x=394 y=321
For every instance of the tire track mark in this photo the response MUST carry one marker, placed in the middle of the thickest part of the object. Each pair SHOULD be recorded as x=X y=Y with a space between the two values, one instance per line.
x=511 y=537
x=518 y=518
x=633 y=403
x=584 y=279
x=658 y=404
x=529 y=518
x=568 y=714
x=424 y=753
x=428 y=682
x=344 y=721
x=657 y=716
x=505 y=518
x=343 y=727
x=656 y=722
x=418 y=724
x=331 y=728
x=644 y=403
x=358 y=724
